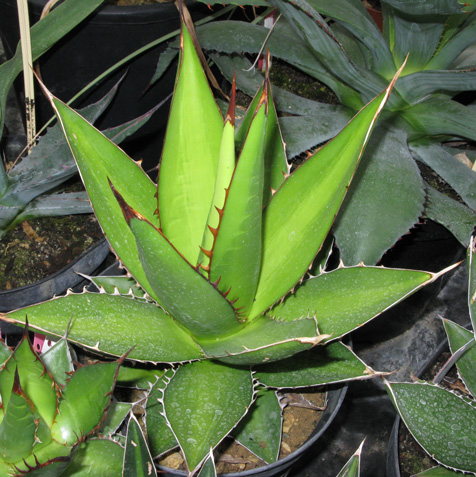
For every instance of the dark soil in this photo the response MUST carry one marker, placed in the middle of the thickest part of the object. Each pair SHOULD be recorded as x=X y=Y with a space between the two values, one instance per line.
x=134 y=2
x=38 y=248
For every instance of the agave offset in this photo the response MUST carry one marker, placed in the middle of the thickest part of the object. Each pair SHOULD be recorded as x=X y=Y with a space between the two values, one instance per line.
x=217 y=256
x=50 y=412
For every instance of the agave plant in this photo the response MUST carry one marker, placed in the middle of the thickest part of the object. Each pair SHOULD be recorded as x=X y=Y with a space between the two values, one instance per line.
x=338 y=44
x=444 y=421
x=51 y=414
x=217 y=257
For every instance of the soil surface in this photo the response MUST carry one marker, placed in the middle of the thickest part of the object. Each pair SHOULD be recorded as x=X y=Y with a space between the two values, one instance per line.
x=134 y=2
x=298 y=423
x=38 y=248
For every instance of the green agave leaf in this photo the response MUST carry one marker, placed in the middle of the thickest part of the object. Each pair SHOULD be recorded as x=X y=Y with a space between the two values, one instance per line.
x=387 y=185
x=152 y=333
x=101 y=162
x=275 y=161
x=445 y=56
x=438 y=116
x=59 y=362
x=138 y=377
x=35 y=380
x=333 y=363
x=346 y=298
x=418 y=85
x=160 y=436
x=417 y=39
x=201 y=414
x=116 y=414
x=448 y=440
x=459 y=219
x=352 y=467
x=85 y=398
x=260 y=430
x=183 y=291
x=300 y=214
x=459 y=336
x=236 y=255
x=98 y=457
x=264 y=339
x=208 y=469
x=18 y=428
x=5 y=352
x=52 y=461
x=190 y=156
x=226 y=166
x=459 y=176
x=354 y=17
x=137 y=459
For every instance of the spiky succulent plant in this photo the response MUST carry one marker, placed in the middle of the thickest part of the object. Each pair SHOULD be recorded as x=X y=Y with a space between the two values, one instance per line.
x=51 y=412
x=220 y=251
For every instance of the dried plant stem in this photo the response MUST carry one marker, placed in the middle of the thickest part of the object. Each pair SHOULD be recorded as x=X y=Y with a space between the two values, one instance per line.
x=24 y=22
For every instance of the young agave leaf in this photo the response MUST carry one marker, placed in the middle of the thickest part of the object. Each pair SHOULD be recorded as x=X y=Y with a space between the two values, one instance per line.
x=208 y=469
x=201 y=415
x=35 y=380
x=116 y=414
x=226 y=166
x=189 y=160
x=5 y=352
x=449 y=441
x=59 y=362
x=98 y=457
x=79 y=412
x=275 y=161
x=333 y=363
x=237 y=251
x=137 y=459
x=300 y=214
x=154 y=335
x=352 y=467
x=457 y=338
x=19 y=421
x=260 y=430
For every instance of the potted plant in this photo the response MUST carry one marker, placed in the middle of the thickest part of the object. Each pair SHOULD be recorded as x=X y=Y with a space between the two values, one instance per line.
x=220 y=288
x=441 y=419
x=426 y=121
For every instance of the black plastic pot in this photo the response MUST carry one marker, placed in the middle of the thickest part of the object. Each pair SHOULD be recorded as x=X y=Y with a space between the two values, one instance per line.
x=57 y=283
x=108 y=35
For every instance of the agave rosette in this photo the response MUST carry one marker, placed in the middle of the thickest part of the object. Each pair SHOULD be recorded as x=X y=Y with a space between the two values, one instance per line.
x=217 y=248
